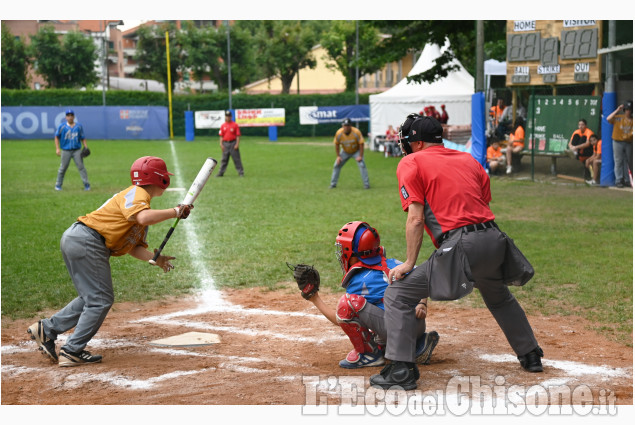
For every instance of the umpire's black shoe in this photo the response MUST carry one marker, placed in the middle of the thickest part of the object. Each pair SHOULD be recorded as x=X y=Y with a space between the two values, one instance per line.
x=531 y=361
x=397 y=374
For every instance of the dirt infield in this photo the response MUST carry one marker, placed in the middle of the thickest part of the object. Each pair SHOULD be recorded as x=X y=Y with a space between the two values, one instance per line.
x=276 y=349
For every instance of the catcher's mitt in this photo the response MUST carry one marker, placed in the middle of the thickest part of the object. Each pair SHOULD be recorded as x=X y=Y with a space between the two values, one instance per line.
x=308 y=279
x=85 y=152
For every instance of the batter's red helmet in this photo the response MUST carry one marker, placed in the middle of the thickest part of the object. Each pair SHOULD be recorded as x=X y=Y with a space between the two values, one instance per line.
x=150 y=170
x=358 y=239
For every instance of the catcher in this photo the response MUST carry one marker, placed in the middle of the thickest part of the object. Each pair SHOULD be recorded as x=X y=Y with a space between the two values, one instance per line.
x=360 y=312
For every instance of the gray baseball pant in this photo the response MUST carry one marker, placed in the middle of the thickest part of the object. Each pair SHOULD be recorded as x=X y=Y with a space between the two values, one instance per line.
x=485 y=250
x=338 y=167
x=88 y=262
x=76 y=154
x=228 y=149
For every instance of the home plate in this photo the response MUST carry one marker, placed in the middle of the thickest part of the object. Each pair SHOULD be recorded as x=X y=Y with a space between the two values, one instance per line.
x=189 y=339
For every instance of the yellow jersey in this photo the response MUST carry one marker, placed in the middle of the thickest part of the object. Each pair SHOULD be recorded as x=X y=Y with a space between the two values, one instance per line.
x=349 y=142
x=111 y=220
x=622 y=128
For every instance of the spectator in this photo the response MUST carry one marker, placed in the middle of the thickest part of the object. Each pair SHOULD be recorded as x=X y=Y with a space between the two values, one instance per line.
x=594 y=162
x=495 y=114
x=579 y=145
x=516 y=142
x=495 y=156
x=390 y=146
x=69 y=138
x=622 y=142
x=444 y=115
x=351 y=142
x=229 y=141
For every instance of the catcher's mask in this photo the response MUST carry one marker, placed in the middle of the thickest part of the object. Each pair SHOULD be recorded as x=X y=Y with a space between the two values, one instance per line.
x=357 y=239
x=419 y=129
x=150 y=170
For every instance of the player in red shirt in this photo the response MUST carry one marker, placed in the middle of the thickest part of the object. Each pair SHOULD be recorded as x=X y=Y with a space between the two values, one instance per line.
x=229 y=140
x=446 y=193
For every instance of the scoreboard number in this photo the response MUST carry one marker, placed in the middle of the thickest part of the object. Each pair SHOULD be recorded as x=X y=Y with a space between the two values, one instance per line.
x=523 y=47
x=579 y=44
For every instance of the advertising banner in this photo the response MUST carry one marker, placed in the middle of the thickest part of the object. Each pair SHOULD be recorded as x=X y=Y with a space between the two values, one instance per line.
x=209 y=119
x=99 y=122
x=260 y=117
x=333 y=114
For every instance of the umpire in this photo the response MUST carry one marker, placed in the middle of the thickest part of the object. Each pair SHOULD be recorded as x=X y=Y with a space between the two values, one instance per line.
x=446 y=193
x=229 y=141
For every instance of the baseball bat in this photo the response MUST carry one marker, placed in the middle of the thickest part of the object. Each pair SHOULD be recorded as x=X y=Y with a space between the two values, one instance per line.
x=190 y=197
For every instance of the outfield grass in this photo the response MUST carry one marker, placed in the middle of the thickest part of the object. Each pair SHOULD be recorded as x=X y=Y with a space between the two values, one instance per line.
x=579 y=239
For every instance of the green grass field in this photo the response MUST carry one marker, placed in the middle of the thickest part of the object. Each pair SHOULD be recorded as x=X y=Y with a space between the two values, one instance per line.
x=579 y=239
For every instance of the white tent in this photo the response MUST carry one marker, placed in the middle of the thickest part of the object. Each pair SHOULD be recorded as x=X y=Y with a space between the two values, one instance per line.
x=454 y=91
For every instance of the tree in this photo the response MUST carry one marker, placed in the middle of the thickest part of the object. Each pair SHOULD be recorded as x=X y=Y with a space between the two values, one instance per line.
x=242 y=57
x=201 y=50
x=152 y=56
x=340 y=42
x=69 y=63
x=414 y=35
x=285 y=48
x=15 y=61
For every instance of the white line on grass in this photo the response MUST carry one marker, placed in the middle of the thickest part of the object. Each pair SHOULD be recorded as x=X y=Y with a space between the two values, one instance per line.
x=210 y=295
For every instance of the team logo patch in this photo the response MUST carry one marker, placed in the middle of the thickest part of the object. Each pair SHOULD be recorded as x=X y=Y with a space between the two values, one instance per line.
x=404 y=192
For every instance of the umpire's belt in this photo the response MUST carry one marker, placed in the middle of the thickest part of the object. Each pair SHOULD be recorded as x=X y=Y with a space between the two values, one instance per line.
x=95 y=232
x=467 y=229
x=229 y=141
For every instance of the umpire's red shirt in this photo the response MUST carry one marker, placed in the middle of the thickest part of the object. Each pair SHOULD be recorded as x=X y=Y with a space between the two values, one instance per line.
x=451 y=185
x=229 y=131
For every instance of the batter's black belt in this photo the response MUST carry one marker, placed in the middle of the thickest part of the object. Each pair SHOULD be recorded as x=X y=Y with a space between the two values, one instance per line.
x=467 y=229
x=93 y=231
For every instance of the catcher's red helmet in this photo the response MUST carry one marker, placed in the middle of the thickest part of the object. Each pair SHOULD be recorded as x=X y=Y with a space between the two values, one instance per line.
x=358 y=239
x=150 y=170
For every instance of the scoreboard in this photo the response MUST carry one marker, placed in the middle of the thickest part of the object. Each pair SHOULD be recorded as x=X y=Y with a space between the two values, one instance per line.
x=553 y=52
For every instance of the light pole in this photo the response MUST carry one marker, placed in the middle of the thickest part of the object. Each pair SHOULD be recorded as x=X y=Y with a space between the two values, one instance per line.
x=229 y=66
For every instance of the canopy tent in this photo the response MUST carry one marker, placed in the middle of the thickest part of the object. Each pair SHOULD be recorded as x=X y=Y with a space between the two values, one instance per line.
x=454 y=91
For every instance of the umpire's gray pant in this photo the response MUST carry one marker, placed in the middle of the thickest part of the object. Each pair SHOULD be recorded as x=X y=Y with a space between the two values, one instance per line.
x=228 y=149
x=372 y=317
x=76 y=154
x=485 y=250
x=88 y=262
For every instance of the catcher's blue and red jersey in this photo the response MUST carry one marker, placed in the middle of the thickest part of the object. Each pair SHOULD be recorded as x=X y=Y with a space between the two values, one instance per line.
x=70 y=137
x=369 y=283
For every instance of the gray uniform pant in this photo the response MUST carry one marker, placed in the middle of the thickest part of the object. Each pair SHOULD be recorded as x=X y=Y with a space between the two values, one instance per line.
x=87 y=261
x=345 y=157
x=623 y=157
x=372 y=317
x=76 y=154
x=485 y=250
x=228 y=149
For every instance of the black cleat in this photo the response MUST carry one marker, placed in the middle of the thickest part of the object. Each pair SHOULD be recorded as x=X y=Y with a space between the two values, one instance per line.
x=397 y=374
x=531 y=361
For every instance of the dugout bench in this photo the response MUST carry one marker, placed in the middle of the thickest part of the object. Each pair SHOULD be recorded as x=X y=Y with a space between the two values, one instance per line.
x=554 y=154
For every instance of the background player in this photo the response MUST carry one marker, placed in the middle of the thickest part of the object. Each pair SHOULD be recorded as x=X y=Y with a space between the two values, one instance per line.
x=118 y=227
x=349 y=143
x=69 y=138
x=360 y=312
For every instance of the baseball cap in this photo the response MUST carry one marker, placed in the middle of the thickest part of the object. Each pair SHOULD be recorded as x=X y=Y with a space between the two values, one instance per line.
x=228 y=112
x=628 y=105
x=70 y=112
x=347 y=121
x=426 y=129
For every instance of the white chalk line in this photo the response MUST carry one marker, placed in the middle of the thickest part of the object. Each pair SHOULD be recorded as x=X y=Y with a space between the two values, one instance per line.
x=574 y=369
